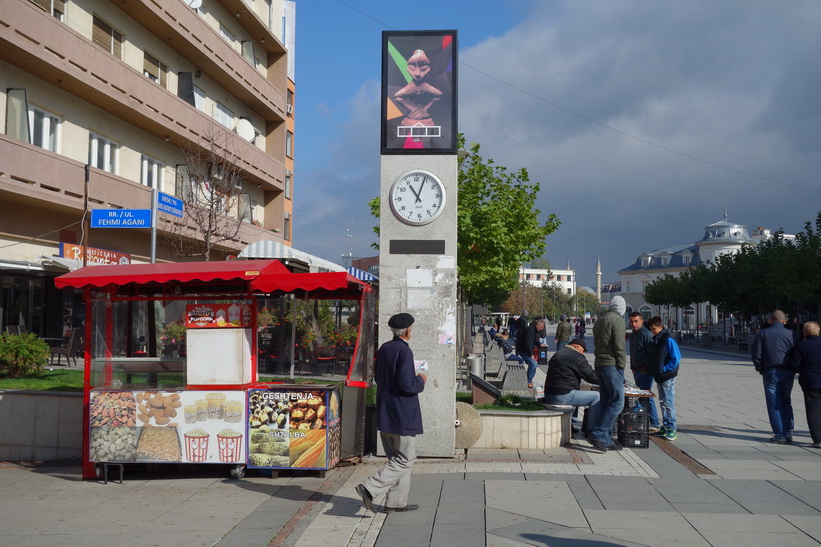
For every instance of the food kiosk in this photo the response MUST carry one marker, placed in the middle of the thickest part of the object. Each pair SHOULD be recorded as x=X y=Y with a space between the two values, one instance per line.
x=171 y=367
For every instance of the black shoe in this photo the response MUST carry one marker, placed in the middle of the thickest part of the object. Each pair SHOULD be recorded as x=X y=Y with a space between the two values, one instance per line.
x=614 y=446
x=408 y=507
x=367 y=499
x=598 y=445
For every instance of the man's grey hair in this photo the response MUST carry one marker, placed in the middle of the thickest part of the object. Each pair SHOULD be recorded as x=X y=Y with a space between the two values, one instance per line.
x=779 y=316
x=400 y=332
x=811 y=328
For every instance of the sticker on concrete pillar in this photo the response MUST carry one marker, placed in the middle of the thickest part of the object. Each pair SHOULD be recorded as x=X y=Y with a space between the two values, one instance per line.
x=447 y=330
x=419 y=277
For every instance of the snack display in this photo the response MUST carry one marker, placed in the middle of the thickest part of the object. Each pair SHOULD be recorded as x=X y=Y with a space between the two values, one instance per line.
x=114 y=408
x=229 y=443
x=233 y=411
x=159 y=444
x=190 y=413
x=215 y=401
x=112 y=444
x=196 y=445
x=156 y=407
x=308 y=451
x=202 y=410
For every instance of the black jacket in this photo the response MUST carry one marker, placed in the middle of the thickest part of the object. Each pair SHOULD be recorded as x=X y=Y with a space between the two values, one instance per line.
x=526 y=339
x=565 y=370
x=806 y=361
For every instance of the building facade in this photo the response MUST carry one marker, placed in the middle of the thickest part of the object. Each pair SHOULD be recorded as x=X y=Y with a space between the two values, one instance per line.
x=102 y=101
x=719 y=238
x=565 y=279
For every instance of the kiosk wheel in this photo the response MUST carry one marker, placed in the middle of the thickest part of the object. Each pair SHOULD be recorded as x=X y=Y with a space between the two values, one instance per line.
x=237 y=472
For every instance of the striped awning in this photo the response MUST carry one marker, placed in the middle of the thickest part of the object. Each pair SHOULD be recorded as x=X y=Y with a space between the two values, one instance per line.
x=362 y=275
x=276 y=250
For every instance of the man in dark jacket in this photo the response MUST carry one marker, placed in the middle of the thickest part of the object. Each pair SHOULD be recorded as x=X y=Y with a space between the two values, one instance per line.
x=807 y=363
x=769 y=351
x=662 y=363
x=527 y=339
x=565 y=371
x=640 y=341
x=563 y=331
x=398 y=418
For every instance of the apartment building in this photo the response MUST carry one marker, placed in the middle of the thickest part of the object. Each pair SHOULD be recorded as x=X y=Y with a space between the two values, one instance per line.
x=103 y=102
x=537 y=277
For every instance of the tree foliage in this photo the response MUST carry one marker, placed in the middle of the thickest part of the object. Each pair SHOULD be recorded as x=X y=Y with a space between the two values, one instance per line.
x=586 y=301
x=498 y=227
x=208 y=185
x=776 y=273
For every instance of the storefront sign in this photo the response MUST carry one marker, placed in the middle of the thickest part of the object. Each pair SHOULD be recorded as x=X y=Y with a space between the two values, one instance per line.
x=203 y=316
x=121 y=218
x=93 y=256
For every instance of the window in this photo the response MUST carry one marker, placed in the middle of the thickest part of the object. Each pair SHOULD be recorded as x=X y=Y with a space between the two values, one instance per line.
x=182 y=186
x=227 y=35
x=289 y=144
x=199 y=99
x=154 y=70
x=55 y=7
x=150 y=172
x=244 y=208
x=665 y=260
x=686 y=259
x=102 y=153
x=224 y=115
x=107 y=38
x=248 y=51
x=17 y=112
x=627 y=287
x=44 y=126
x=644 y=283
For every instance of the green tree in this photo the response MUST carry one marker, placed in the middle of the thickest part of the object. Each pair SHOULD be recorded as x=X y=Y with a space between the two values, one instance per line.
x=585 y=301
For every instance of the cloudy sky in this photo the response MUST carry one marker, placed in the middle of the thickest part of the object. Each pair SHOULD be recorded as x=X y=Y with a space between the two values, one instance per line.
x=641 y=119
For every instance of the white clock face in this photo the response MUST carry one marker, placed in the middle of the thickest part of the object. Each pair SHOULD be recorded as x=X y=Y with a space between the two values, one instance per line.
x=417 y=197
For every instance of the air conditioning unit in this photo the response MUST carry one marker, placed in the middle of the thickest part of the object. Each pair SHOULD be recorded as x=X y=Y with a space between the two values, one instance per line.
x=290 y=109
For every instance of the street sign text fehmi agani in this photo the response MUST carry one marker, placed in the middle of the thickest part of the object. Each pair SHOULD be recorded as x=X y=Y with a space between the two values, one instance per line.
x=121 y=218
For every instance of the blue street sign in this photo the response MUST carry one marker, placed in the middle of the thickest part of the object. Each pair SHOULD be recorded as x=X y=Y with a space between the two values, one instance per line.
x=121 y=218
x=169 y=204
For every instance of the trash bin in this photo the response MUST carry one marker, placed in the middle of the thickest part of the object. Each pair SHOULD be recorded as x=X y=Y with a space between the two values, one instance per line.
x=477 y=365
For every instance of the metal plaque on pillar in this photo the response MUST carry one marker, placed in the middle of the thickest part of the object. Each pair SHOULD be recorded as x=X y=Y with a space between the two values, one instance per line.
x=419 y=175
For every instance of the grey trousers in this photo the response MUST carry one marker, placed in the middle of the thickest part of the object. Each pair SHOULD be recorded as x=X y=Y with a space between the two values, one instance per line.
x=395 y=477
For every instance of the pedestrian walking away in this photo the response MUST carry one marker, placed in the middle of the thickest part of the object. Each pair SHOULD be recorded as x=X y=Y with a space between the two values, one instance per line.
x=663 y=364
x=769 y=352
x=806 y=361
x=398 y=418
x=526 y=342
x=563 y=331
x=609 y=361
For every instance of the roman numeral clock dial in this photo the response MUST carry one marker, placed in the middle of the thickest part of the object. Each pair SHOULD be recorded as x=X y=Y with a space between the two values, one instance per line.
x=417 y=197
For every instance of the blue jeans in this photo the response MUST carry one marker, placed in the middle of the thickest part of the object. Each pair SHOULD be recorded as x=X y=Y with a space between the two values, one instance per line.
x=514 y=357
x=645 y=381
x=531 y=367
x=611 y=403
x=778 y=384
x=578 y=398
x=560 y=344
x=667 y=402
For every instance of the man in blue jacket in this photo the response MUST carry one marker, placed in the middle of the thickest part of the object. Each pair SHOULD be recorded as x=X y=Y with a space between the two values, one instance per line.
x=663 y=363
x=398 y=418
x=769 y=351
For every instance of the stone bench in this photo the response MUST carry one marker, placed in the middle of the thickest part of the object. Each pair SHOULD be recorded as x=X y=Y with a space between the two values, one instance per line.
x=526 y=430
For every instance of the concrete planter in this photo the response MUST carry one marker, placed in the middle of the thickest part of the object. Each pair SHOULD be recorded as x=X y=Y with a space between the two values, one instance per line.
x=512 y=429
x=40 y=425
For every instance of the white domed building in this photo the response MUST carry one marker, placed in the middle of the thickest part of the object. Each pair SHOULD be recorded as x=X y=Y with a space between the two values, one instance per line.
x=719 y=238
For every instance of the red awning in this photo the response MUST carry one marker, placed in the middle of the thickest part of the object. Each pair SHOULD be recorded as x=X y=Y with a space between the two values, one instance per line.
x=178 y=272
x=318 y=285
x=265 y=276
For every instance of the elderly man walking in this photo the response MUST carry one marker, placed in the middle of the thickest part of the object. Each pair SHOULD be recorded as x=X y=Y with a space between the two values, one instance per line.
x=610 y=359
x=807 y=363
x=399 y=418
x=769 y=352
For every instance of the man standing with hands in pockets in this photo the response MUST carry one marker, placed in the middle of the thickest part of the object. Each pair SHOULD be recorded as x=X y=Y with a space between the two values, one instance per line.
x=399 y=418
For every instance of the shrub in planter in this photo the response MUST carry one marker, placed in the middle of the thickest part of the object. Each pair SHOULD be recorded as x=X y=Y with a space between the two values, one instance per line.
x=22 y=355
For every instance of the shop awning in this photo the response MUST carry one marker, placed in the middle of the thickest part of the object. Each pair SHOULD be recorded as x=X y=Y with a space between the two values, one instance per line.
x=274 y=249
x=264 y=276
x=177 y=272
x=362 y=274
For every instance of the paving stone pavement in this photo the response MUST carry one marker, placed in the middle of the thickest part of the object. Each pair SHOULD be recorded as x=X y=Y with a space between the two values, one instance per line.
x=722 y=484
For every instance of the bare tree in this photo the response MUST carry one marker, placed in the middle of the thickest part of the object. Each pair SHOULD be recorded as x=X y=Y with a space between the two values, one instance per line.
x=209 y=185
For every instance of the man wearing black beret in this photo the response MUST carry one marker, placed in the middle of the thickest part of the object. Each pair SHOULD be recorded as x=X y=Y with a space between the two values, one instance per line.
x=398 y=418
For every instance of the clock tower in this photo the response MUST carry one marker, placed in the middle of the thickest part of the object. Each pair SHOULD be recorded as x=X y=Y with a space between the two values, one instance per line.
x=417 y=240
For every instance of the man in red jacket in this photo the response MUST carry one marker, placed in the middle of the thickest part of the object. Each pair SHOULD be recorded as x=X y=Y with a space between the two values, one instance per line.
x=398 y=419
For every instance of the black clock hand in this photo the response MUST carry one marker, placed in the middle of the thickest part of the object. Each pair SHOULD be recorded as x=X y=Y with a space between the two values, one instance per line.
x=418 y=194
x=414 y=191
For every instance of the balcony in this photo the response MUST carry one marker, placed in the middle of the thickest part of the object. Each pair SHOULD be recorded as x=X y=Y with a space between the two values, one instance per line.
x=40 y=45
